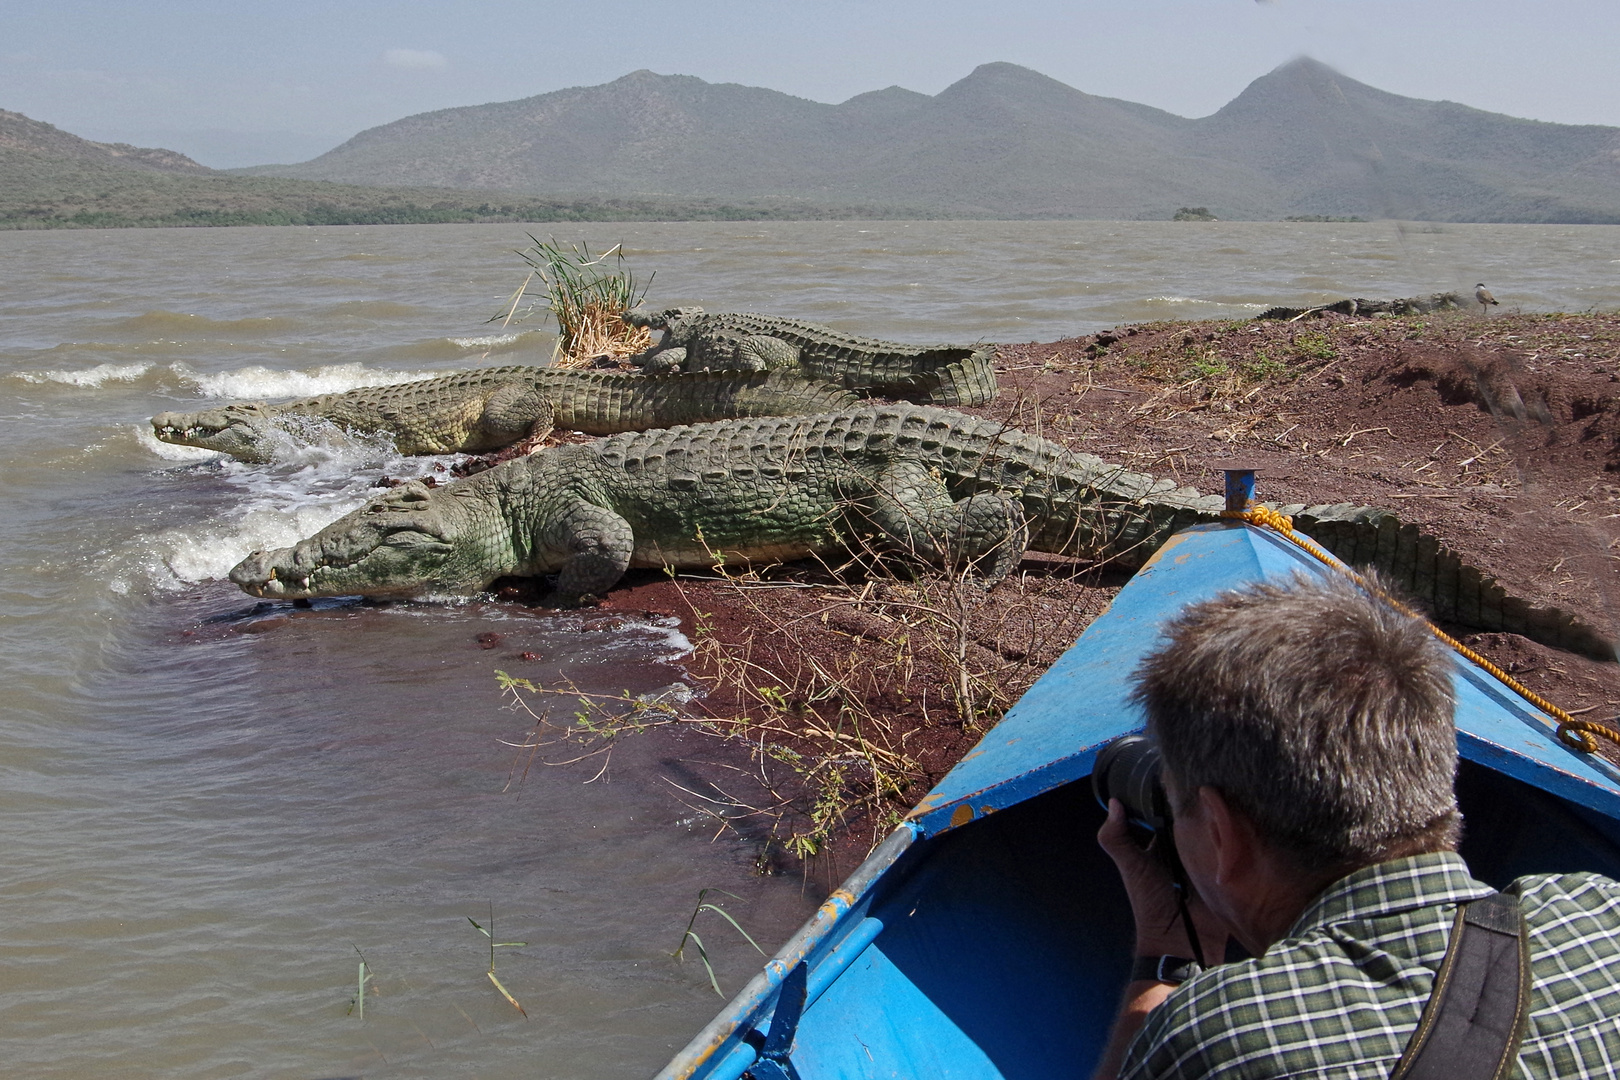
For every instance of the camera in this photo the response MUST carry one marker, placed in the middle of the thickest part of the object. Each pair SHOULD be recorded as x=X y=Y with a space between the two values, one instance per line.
x=1128 y=769
x=1131 y=769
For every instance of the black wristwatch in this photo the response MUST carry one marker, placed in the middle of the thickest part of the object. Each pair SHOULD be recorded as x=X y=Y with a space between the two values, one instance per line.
x=1166 y=969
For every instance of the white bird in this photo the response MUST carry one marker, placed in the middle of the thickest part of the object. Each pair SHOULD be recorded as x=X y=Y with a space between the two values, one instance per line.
x=1483 y=295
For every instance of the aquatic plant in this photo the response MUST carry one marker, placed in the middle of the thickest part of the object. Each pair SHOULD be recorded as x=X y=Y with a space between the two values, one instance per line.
x=587 y=295
x=357 y=1004
x=493 y=945
x=691 y=935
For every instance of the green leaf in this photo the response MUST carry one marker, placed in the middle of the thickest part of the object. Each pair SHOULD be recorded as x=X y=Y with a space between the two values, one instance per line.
x=724 y=914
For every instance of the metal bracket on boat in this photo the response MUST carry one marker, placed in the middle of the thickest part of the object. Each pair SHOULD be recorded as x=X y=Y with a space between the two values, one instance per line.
x=1239 y=488
x=773 y=1062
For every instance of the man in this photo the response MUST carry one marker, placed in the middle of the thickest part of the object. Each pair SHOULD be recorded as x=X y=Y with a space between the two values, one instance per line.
x=1309 y=755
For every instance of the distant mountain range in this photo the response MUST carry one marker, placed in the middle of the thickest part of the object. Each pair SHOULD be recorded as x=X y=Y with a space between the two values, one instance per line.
x=50 y=179
x=1004 y=142
x=1007 y=142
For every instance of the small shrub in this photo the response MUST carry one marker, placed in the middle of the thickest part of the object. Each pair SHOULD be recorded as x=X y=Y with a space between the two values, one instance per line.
x=1262 y=366
x=1312 y=345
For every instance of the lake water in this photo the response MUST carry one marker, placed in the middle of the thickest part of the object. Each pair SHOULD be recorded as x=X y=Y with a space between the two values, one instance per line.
x=207 y=804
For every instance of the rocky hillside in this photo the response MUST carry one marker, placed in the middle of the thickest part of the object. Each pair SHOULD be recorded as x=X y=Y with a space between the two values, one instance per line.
x=1010 y=142
x=50 y=179
x=24 y=137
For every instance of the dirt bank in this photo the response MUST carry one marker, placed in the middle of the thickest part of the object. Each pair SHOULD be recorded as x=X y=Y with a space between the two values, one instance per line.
x=1500 y=436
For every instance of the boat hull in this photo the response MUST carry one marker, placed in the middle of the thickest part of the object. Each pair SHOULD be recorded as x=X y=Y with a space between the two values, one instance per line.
x=989 y=937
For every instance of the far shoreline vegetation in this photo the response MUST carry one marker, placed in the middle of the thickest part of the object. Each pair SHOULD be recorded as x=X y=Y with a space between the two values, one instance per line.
x=354 y=205
x=147 y=200
x=410 y=213
x=38 y=193
x=137 y=200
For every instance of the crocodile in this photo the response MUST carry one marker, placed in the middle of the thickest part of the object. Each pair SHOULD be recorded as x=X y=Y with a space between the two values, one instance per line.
x=914 y=479
x=696 y=340
x=491 y=408
x=1410 y=305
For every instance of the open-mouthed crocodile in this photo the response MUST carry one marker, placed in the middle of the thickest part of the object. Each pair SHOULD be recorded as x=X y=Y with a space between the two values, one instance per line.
x=910 y=478
x=696 y=340
x=491 y=408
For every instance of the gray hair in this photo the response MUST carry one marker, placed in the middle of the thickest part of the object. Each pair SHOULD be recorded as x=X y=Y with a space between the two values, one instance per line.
x=1319 y=711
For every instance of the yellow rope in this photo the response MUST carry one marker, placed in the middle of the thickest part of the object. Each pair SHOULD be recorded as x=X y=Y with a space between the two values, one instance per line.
x=1573 y=733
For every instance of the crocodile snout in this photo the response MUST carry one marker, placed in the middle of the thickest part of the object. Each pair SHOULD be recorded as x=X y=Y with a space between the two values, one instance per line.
x=282 y=573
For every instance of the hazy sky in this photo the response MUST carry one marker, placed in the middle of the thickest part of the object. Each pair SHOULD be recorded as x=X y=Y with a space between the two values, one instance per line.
x=236 y=84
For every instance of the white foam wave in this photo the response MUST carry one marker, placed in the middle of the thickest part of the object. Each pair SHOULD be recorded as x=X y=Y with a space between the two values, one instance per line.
x=310 y=485
x=1196 y=300
x=491 y=341
x=676 y=643
x=189 y=556
x=673 y=695
x=266 y=383
x=90 y=378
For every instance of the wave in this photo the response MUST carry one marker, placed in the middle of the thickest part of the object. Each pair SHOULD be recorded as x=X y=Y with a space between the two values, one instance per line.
x=489 y=341
x=171 y=323
x=375 y=309
x=165 y=348
x=252 y=383
x=1210 y=303
x=310 y=485
x=90 y=378
x=536 y=342
x=256 y=383
x=179 y=558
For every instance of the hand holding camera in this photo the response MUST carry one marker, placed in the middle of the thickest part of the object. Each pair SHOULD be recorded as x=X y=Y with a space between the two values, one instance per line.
x=1139 y=837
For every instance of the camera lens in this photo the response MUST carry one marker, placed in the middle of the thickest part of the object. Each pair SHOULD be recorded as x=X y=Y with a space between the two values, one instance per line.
x=1128 y=769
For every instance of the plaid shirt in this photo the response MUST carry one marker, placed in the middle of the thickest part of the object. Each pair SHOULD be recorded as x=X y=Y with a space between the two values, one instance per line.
x=1342 y=993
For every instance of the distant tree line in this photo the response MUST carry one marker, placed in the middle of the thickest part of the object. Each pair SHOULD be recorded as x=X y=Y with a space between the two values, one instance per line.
x=415 y=214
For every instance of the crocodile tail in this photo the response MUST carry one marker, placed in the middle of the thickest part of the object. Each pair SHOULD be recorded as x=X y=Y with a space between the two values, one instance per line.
x=970 y=380
x=965 y=382
x=1428 y=571
x=783 y=393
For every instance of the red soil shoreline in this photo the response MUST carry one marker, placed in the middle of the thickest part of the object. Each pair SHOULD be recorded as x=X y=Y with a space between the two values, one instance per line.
x=1501 y=436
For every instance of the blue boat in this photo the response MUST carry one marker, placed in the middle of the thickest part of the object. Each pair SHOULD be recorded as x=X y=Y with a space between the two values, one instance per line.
x=988 y=936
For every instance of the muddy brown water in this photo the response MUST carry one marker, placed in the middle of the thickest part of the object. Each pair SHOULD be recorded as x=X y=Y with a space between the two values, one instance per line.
x=207 y=804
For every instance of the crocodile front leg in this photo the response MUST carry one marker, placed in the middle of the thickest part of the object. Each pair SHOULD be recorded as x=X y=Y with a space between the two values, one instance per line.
x=517 y=414
x=662 y=361
x=760 y=352
x=914 y=511
x=596 y=545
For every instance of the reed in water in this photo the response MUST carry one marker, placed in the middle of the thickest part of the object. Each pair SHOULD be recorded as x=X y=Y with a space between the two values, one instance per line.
x=588 y=296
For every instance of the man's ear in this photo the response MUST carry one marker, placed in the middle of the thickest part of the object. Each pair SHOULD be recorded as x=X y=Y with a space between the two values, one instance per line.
x=1232 y=838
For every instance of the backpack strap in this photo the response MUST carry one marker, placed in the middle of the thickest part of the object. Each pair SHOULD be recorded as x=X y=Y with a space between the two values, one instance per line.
x=1475 y=1018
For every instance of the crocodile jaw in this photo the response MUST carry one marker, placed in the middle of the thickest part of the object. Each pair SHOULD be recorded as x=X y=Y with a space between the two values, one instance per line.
x=236 y=431
x=401 y=545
